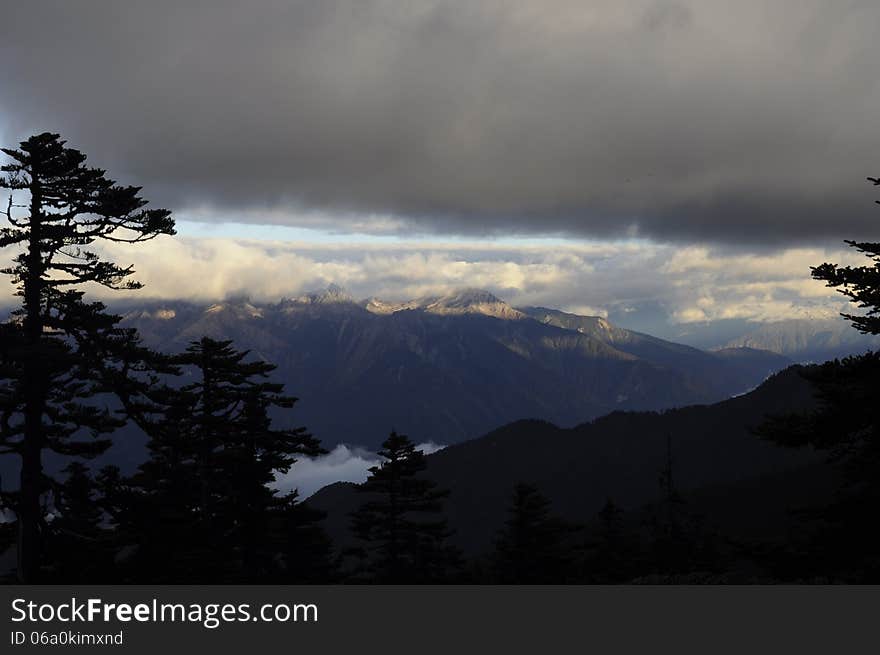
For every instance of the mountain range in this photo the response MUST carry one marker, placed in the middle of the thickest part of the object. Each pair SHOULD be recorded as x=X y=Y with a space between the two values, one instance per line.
x=451 y=367
x=807 y=340
x=739 y=482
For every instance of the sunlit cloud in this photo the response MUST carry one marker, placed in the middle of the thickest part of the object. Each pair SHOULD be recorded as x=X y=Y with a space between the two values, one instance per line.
x=692 y=284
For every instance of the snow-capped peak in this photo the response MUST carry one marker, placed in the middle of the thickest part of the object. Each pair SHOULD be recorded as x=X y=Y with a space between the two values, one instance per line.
x=462 y=301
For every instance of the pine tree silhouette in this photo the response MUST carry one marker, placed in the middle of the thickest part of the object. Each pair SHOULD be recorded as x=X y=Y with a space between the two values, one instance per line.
x=306 y=552
x=79 y=547
x=248 y=462
x=611 y=552
x=205 y=493
x=670 y=539
x=681 y=542
x=401 y=527
x=534 y=547
x=55 y=354
x=844 y=543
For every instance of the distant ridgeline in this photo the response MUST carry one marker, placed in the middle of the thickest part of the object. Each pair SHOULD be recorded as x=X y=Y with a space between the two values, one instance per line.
x=450 y=368
x=808 y=340
x=724 y=474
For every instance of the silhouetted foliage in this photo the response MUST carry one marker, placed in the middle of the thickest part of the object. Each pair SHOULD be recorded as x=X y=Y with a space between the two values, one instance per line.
x=671 y=545
x=304 y=549
x=861 y=284
x=680 y=540
x=401 y=527
x=79 y=548
x=612 y=552
x=534 y=547
x=202 y=507
x=845 y=541
x=57 y=354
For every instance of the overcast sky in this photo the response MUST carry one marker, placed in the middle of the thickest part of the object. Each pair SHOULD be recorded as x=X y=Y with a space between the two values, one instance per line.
x=694 y=156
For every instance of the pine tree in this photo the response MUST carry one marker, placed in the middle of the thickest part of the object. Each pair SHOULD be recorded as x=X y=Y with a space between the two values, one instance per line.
x=534 y=545
x=79 y=548
x=861 y=284
x=154 y=513
x=401 y=527
x=611 y=553
x=206 y=488
x=681 y=542
x=57 y=341
x=846 y=425
x=248 y=462
x=306 y=552
x=671 y=544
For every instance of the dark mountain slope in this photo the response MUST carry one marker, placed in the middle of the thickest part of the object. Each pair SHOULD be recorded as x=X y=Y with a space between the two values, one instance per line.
x=448 y=368
x=618 y=456
x=736 y=367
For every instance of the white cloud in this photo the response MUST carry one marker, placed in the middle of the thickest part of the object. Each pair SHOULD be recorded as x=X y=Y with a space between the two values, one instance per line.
x=688 y=284
x=768 y=286
x=342 y=464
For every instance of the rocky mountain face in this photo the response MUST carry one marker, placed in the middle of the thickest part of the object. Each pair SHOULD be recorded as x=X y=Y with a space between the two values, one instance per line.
x=459 y=303
x=452 y=367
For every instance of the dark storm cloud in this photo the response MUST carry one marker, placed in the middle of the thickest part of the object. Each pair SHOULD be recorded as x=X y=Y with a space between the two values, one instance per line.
x=745 y=121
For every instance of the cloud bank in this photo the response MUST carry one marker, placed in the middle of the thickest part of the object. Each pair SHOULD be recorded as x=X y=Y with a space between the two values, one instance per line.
x=676 y=120
x=644 y=286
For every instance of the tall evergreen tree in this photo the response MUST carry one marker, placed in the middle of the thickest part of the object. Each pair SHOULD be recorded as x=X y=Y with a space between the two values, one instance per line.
x=205 y=491
x=401 y=527
x=78 y=545
x=846 y=425
x=306 y=552
x=248 y=463
x=611 y=552
x=671 y=544
x=534 y=546
x=50 y=393
x=681 y=541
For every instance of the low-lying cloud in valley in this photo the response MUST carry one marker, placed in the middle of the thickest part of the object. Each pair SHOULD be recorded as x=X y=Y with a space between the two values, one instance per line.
x=342 y=464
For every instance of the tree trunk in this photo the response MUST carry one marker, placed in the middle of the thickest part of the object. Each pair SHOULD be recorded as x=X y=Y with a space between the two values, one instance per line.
x=29 y=547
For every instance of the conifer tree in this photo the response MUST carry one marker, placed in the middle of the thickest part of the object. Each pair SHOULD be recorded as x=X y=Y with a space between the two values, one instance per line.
x=154 y=512
x=533 y=547
x=401 y=527
x=248 y=462
x=206 y=488
x=78 y=545
x=611 y=552
x=681 y=542
x=668 y=523
x=306 y=552
x=846 y=425
x=55 y=353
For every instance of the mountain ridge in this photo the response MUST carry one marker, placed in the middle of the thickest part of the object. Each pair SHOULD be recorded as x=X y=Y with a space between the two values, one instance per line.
x=806 y=340
x=617 y=456
x=449 y=368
